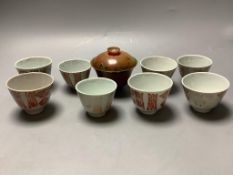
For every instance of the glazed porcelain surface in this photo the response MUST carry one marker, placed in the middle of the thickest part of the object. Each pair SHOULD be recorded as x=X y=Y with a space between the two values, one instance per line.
x=204 y=90
x=159 y=64
x=74 y=71
x=31 y=91
x=113 y=60
x=96 y=95
x=193 y=63
x=149 y=91
x=34 y=64
x=115 y=64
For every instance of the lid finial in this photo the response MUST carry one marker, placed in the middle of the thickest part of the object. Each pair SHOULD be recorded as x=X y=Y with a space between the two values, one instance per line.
x=114 y=51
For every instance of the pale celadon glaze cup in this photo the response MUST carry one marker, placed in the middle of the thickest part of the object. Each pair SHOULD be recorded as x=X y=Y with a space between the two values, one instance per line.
x=193 y=63
x=96 y=95
x=204 y=90
x=31 y=91
x=34 y=64
x=159 y=64
x=149 y=91
x=74 y=70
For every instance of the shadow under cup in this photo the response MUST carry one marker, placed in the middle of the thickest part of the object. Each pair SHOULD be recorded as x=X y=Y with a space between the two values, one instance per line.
x=31 y=91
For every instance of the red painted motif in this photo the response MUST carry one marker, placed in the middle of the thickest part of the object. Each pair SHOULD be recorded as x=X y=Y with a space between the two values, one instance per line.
x=152 y=102
x=138 y=98
x=44 y=97
x=33 y=99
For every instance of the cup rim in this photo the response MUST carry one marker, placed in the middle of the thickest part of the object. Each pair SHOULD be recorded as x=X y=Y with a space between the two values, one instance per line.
x=25 y=90
x=194 y=55
x=96 y=78
x=31 y=57
x=158 y=56
x=150 y=73
x=65 y=61
x=210 y=73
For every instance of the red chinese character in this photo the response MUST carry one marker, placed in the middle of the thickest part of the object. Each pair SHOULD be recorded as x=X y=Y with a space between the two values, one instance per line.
x=152 y=102
x=138 y=98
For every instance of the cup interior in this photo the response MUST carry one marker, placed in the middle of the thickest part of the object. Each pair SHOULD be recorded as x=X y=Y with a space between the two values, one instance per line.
x=150 y=82
x=194 y=61
x=30 y=81
x=205 y=82
x=158 y=63
x=96 y=86
x=33 y=62
x=71 y=66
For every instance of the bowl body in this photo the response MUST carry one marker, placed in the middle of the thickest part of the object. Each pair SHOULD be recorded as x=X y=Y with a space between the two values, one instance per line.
x=74 y=71
x=149 y=91
x=159 y=64
x=120 y=77
x=193 y=63
x=31 y=91
x=34 y=64
x=204 y=90
x=115 y=64
x=96 y=95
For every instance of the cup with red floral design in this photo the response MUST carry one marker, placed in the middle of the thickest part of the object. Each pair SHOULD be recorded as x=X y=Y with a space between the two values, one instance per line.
x=31 y=91
x=74 y=70
x=149 y=91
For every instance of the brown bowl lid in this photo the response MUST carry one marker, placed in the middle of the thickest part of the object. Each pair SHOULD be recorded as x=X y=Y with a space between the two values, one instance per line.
x=113 y=60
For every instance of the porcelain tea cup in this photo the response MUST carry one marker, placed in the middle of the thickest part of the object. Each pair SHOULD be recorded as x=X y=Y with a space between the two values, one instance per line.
x=74 y=71
x=31 y=91
x=193 y=63
x=34 y=64
x=204 y=90
x=149 y=91
x=96 y=95
x=158 y=64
